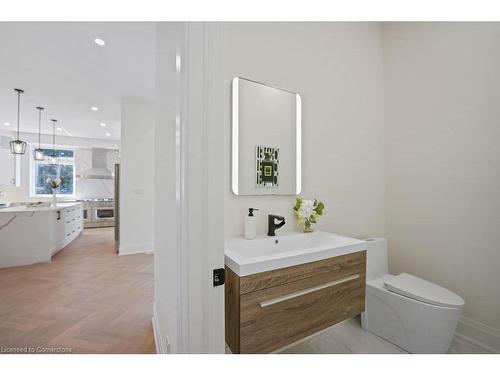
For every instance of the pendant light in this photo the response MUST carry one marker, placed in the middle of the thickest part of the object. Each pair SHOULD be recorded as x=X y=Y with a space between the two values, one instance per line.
x=53 y=158
x=18 y=146
x=38 y=153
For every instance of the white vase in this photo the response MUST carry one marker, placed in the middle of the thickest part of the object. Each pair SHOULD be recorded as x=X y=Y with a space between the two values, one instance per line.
x=54 y=198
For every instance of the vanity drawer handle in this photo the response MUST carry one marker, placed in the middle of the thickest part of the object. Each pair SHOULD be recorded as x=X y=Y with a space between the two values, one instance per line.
x=287 y=297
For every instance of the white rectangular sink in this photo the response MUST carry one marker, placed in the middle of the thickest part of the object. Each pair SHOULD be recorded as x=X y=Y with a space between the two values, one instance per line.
x=246 y=257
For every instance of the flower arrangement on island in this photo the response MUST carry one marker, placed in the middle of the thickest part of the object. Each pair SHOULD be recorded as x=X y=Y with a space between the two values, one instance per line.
x=308 y=212
x=54 y=184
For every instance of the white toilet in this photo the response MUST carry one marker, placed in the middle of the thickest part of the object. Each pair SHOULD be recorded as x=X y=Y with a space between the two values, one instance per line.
x=414 y=314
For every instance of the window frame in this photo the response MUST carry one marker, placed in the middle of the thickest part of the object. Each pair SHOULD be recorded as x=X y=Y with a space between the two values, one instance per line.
x=34 y=163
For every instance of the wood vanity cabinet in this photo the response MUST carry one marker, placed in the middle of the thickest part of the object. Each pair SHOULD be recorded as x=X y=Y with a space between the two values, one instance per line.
x=269 y=310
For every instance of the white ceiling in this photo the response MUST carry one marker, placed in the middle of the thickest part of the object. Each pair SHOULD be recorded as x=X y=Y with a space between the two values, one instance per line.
x=59 y=67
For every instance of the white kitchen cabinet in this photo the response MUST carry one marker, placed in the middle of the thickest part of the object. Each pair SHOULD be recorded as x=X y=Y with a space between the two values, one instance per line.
x=32 y=235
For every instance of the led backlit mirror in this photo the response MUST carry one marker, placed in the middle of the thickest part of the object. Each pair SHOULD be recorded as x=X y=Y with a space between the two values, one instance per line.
x=266 y=139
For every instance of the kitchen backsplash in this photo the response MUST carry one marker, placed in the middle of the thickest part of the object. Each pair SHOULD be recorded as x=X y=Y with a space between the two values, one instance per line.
x=94 y=188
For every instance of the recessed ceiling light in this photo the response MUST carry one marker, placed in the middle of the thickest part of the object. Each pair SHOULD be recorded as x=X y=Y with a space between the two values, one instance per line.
x=59 y=129
x=94 y=108
x=108 y=134
x=99 y=42
x=6 y=123
x=103 y=124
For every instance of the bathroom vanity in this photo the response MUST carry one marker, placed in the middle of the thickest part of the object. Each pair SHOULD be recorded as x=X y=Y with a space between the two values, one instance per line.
x=282 y=289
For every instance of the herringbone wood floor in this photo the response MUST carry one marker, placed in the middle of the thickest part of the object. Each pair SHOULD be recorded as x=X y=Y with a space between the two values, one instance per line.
x=88 y=299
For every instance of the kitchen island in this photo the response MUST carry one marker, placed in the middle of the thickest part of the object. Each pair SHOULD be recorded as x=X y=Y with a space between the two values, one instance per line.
x=34 y=233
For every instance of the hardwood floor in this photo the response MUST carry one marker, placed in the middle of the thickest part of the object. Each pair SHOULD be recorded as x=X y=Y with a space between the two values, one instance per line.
x=89 y=300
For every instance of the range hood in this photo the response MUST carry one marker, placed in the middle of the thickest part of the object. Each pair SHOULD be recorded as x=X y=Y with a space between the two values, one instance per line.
x=99 y=168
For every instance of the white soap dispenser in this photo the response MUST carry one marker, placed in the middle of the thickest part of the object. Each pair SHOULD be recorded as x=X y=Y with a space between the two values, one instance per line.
x=250 y=225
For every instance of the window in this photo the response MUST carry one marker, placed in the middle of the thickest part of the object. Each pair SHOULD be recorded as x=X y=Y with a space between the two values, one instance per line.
x=65 y=169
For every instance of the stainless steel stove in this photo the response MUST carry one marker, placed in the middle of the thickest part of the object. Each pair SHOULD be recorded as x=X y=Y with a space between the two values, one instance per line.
x=98 y=212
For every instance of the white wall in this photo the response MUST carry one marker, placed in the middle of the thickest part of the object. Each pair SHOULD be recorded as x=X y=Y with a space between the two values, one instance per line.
x=337 y=68
x=136 y=176
x=443 y=158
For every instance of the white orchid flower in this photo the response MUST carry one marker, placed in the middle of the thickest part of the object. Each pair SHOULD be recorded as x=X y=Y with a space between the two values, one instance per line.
x=306 y=209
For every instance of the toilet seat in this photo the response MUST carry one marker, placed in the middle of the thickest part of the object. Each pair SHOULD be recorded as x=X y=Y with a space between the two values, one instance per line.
x=421 y=290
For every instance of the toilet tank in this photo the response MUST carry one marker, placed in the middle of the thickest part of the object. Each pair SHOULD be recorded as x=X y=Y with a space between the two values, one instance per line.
x=376 y=258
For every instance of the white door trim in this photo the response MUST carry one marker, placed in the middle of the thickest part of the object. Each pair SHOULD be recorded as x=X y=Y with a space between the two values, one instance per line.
x=201 y=189
x=161 y=343
x=190 y=311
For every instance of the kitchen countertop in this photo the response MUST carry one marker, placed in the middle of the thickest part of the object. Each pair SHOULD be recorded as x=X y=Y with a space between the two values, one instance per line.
x=45 y=207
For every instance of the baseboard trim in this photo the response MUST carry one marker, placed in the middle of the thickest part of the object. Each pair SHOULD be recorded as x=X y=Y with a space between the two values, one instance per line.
x=123 y=251
x=479 y=334
x=162 y=346
x=135 y=248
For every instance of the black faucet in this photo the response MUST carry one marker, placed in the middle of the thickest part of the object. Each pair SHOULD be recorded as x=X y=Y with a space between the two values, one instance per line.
x=271 y=226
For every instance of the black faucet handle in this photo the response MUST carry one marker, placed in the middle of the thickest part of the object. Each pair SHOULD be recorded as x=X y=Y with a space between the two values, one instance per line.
x=272 y=226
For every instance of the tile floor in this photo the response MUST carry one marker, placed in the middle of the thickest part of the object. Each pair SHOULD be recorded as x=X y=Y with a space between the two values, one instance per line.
x=344 y=338
x=349 y=338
